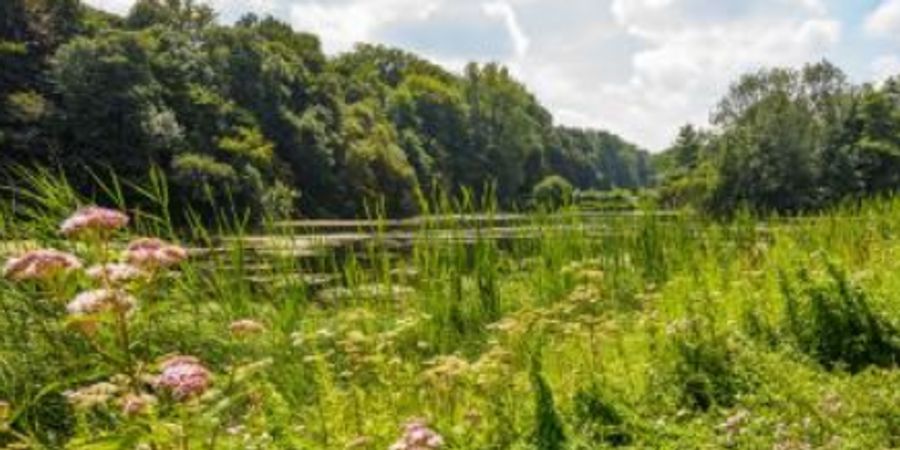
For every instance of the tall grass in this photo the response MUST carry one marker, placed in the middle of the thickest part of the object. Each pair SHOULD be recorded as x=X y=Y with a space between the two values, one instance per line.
x=543 y=330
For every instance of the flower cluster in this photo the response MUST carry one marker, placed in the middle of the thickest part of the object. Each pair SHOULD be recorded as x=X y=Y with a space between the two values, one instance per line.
x=136 y=404
x=417 y=436
x=183 y=377
x=40 y=265
x=93 y=219
x=245 y=327
x=446 y=371
x=152 y=253
x=115 y=273
x=100 y=301
x=92 y=396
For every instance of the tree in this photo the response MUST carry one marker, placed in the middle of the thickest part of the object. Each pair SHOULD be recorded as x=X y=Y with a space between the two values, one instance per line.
x=113 y=107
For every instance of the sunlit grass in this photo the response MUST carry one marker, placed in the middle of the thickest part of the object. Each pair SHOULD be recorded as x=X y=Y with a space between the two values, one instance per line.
x=572 y=331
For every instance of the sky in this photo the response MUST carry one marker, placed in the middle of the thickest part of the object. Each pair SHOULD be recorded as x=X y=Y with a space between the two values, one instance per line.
x=639 y=68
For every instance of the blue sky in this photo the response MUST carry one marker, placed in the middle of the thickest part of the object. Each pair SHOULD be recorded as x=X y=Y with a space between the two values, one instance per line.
x=640 y=68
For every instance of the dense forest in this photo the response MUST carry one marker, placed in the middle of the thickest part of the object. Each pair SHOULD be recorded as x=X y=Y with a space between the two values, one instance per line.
x=254 y=114
x=788 y=141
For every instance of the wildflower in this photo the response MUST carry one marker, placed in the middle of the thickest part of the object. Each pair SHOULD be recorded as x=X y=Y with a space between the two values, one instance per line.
x=184 y=377
x=115 y=273
x=446 y=370
x=93 y=219
x=92 y=396
x=101 y=300
x=153 y=253
x=417 y=436
x=137 y=404
x=245 y=327
x=40 y=265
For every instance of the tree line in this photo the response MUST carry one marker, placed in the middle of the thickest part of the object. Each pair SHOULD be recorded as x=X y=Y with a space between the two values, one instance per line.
x=788 y=141
x=255 y=115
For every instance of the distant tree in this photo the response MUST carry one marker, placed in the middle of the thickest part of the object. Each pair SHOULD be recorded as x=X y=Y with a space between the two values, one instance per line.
x=254 y=114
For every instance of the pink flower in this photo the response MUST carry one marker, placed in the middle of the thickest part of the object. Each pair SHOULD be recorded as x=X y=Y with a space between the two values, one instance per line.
x=245 y=327
x=40 y=265
x=152 y=253
x=418 y=436
x=93 y=218
x=184 y=377
x=99 y=301
x=136 y=404
x=115 y=273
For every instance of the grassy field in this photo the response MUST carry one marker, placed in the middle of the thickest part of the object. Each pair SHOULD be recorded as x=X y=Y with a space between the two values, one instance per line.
x=636 y=331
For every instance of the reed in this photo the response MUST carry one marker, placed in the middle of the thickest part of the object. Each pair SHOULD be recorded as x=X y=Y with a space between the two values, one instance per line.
x=474 y=327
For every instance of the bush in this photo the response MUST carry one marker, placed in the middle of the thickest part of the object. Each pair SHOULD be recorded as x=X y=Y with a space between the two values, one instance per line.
x=705 y=371
x=552 y=192
x=832 y=321
x=599 y=418
x=615 y=200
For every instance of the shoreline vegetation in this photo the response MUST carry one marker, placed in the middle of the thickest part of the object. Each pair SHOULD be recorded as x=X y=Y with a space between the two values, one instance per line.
x=659 y=331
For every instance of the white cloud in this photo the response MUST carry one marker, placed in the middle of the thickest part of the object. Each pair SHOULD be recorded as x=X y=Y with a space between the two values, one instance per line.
x=691 y=51
x=816 y=6
x=343 y=24
x=114 y=6
x=505 y=11
x=885 y=20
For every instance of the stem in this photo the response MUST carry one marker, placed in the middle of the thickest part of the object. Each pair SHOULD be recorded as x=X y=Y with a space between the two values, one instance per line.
x=125 y=343
x=213 y=442
x=184 y=444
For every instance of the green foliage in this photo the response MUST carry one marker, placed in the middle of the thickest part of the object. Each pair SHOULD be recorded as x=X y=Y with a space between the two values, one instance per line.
x=787 y=140
x=658 y=330
x=614 y=200
x=833 y=321
x=375 y=124
x=598 y=160
x=548 y=428
x=705 y=372
x=552 y=192
x=599 y=418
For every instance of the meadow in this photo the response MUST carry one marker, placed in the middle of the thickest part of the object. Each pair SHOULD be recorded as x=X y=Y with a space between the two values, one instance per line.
x=562 y=331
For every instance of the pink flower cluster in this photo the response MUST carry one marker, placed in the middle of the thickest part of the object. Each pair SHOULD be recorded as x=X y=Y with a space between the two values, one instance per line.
x=136 y=404
x=93 y=219
x=184 y=377
x=99 y=301
x=115 y=273
x=417 y=436
x=40 y=265
x=152 y=253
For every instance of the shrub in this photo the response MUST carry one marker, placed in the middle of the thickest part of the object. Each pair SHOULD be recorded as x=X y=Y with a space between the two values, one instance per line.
x=615 y=200
x=599 y=418
x=552 y=192
x=705 y=370
x=832 y=321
